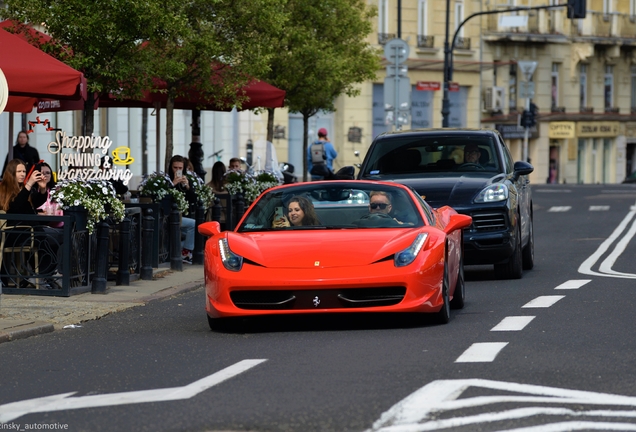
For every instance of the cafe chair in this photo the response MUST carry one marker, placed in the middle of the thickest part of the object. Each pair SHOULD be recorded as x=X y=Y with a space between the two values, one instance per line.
x=19 y=253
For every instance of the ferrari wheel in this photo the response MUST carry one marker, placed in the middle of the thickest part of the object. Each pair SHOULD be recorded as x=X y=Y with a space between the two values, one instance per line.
x=513 y=268
x=460 y=288
x=527 y=255
x=443 y=316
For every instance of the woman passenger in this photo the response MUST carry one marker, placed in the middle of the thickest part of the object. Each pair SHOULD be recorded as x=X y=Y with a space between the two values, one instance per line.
x=300 y=212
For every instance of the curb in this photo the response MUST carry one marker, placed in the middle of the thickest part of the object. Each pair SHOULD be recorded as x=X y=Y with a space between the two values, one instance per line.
x=179 y=289
x=26 y=330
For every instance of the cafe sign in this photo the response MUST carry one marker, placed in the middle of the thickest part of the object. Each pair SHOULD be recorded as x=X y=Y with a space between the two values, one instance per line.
x=90 y=158
x=597 y=129
x=564 y=129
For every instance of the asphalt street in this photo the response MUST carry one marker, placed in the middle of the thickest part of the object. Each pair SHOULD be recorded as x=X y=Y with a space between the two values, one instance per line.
x=562 y=358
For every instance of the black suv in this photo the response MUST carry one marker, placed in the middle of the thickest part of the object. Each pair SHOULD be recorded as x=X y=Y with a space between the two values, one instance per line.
x=472 y=171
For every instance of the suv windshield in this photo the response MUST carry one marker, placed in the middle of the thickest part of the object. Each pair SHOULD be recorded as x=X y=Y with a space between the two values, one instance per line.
x=432 y=154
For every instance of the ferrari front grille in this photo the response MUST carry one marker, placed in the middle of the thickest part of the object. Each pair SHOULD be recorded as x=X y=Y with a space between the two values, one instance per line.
x=489 y=221
x=317 y=299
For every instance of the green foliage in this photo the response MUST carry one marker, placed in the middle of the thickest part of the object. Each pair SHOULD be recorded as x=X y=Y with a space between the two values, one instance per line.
x=93 y=195
x=203 y=192
x=159 y=186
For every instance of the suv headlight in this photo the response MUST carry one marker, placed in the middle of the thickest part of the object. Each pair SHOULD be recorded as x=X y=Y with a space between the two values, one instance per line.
x=408 y=255
x=493 y=193
x=230 y=260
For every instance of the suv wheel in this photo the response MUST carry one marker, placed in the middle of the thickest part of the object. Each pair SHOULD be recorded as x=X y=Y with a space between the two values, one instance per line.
x=513 y=268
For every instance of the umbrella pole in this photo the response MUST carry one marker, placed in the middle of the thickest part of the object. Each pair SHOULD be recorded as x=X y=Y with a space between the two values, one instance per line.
x=158 y=132
x=10 y=136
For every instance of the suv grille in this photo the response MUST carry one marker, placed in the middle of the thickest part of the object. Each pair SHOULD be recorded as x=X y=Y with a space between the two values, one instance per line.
x=489 y=221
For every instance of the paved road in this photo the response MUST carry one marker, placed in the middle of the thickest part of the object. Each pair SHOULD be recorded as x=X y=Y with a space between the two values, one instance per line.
x=533 y=352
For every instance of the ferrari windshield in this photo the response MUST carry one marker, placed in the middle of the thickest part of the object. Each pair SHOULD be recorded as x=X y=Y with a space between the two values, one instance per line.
x=432 y=154
x=333 y=205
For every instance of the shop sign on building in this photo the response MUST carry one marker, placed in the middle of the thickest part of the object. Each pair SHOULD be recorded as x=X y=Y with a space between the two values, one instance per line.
x=560 y=130
x=514 y=131
x=597 y=129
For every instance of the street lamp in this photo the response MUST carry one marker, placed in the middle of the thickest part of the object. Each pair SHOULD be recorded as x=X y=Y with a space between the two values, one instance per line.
x=447 y=70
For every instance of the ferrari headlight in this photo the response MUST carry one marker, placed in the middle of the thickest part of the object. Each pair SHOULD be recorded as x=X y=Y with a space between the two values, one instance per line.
x=230 y=260
x=408 y=255
x=493 y=193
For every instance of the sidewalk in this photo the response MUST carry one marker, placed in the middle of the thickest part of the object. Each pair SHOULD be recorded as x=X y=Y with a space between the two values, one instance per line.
x=24 y=316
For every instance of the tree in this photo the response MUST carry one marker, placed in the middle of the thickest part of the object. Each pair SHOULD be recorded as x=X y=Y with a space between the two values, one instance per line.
x=322 y=55
x=213 y=48
x=99 y=39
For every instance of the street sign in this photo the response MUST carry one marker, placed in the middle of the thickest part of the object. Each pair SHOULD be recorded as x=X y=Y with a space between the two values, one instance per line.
x=428 y=86
x=396 y=51
x=527 y=68
x=399 y=70
x=526 y=89
x=403 y=89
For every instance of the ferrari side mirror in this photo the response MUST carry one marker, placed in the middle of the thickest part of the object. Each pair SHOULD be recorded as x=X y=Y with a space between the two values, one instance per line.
x=210 y=228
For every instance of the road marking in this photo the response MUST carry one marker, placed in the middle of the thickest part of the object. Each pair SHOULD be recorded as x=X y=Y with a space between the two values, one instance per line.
x=573 y=284
x=513 y=323
x=543 y=301
x=64 y=401
x=606 y=266
x=599 y=208
x=552 y=190
x=559 y=208
x=437 y=406
x=481 y=352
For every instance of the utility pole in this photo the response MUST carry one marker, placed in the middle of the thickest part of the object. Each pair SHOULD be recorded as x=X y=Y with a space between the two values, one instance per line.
x=527 y=92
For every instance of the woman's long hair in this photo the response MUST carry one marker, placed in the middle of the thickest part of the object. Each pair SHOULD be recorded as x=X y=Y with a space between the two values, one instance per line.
x=310 y=218
x=218 y=171
x=9 y=187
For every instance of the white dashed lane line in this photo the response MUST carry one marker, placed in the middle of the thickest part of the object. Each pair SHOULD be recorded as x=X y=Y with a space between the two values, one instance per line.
x=559 y=209
x=574 y=284
x=481 y=352
x=513 y=323
x=543 y=301
x=599 y=208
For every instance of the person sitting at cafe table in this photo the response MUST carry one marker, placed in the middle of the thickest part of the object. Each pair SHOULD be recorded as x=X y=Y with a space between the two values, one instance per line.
x=16 y=197
x=181 y=182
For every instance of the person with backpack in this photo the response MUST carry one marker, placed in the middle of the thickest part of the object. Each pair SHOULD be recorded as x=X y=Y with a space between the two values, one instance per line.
x=320 y=156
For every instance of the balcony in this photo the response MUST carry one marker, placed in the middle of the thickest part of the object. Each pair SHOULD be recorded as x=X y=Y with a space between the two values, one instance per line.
x=425 y=41
x=557 y=109
x=586 y=110
x=383 y=38
x=612 y=110
x=462 y=43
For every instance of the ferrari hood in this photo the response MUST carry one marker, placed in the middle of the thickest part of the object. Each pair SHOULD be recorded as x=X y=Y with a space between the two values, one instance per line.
x=452 y=190
x=320 y=248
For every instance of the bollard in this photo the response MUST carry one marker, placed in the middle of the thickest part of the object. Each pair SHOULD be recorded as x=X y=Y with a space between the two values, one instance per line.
x=176 y=261
x=147 y=245
x=240 y=210
x=98 y=286
x=216 y=210
x=199 y=240
x=123 y=272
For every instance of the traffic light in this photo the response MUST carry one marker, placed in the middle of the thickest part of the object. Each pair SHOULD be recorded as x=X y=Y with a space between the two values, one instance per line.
x=532 y=115
x=525 y=118
x=576 y=8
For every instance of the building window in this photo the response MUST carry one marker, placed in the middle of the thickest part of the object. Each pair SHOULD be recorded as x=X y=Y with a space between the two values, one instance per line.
x=633 y=89
x=512 y=88
x=459 y=17
x=422 y=15
x=555 y=85
x=608 y=89
x=607 y=7
x=632 y=7
x=383 y=16
x=582 y=86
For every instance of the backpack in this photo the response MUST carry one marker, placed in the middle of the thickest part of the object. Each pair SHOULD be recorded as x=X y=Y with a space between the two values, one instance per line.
x=318 y=153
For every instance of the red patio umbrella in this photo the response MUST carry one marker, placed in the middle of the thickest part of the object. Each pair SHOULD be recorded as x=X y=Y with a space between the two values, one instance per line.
x=33 y=73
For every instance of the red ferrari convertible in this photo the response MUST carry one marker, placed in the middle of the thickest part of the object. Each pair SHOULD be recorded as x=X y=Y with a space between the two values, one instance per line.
x=334 y=247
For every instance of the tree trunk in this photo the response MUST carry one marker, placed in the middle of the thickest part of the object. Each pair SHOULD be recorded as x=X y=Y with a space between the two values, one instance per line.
x=305 y=140
x=270 y=124
x=169 y=124
x=88 y=125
